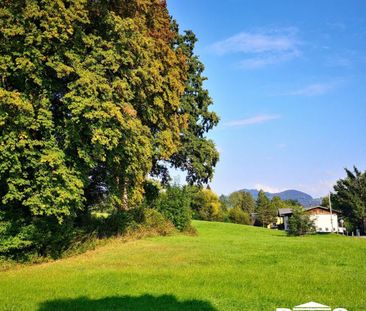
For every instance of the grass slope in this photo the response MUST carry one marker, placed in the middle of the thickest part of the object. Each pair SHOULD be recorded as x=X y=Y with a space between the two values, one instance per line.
x=226 y=267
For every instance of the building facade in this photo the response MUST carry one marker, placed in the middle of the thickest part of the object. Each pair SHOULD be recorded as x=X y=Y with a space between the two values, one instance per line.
x=324 y=220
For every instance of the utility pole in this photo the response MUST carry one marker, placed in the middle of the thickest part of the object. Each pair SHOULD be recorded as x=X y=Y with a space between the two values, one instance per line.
x=331 y=214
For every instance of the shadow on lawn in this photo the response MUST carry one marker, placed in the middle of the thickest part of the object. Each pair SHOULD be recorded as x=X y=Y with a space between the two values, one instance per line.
x=127 y=303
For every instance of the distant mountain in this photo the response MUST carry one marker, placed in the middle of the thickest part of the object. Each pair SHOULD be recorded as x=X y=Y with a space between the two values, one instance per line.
x=303 y=198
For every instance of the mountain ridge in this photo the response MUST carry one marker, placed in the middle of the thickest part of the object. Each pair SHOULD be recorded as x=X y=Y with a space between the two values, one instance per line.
x=303 y=198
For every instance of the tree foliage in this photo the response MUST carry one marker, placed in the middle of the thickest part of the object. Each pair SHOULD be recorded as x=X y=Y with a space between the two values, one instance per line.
x=94 y=97
x=206 y=205
x=242 y=200
x=278 y=203
x=325 y=201
x=266 y=212
x=300 y=222
x=238 y=216
x=174 y=204
x=350 y=198
x=197 y=155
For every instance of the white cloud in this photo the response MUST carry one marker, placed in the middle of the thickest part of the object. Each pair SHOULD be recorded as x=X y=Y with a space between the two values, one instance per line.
x=253 y=120
x=261 y=48
x=266 y=188
x=247 y=42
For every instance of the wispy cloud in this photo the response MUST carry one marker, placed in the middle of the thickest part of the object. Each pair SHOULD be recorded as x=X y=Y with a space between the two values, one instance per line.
x=314 y=89
x=339 y=61
x=282 y=146
x=253 y=120
x=339 y=26
x=248 y=42
x=261 y=48
x=318 y=188
x=266 y=60
x=346 y=59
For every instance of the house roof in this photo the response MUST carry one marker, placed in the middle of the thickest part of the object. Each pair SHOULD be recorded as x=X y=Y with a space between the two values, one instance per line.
x=321 y=207
x=284 y=211
x=288 y=211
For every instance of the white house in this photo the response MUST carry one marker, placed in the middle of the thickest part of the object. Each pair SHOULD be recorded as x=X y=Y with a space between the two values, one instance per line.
x=324 y=220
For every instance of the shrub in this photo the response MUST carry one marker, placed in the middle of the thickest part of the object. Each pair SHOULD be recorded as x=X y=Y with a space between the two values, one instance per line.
x=174 y=205
x=52 y=238
x=152 y=189
x=115 y=224
x=300 y=222
x=238 y=216
x=157 y=222
x=15 y=239
x=45 y=237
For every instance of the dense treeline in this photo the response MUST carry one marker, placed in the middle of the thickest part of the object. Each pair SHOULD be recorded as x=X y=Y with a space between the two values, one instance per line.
x=95 y=96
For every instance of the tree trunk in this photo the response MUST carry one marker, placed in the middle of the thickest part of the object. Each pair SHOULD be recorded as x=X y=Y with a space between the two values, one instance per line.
x=124 y=193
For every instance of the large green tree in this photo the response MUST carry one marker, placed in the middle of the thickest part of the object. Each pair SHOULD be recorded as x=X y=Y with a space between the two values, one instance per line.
x=350 y=198
x=94 y=97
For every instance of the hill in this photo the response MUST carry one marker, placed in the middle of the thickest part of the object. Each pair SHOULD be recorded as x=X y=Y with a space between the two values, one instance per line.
x=226 y=267
x=303 y=198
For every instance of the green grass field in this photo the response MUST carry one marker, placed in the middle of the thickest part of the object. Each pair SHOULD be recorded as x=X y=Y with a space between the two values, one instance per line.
x=225 y=267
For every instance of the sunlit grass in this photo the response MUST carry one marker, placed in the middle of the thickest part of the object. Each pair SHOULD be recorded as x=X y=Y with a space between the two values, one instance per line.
x=225 y=267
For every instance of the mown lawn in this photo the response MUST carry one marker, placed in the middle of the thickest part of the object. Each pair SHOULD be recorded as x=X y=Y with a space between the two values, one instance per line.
x=225 y=267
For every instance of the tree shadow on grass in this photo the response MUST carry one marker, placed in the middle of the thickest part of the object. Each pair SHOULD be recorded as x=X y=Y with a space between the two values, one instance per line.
x=127 y=303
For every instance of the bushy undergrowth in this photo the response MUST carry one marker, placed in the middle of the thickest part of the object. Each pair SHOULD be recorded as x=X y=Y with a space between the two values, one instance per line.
x=162 y=213
x=43 y=238
x=133 y=224
x=154 y=223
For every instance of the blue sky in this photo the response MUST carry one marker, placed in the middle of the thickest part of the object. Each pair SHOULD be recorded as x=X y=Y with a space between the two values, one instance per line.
x=288 y=79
